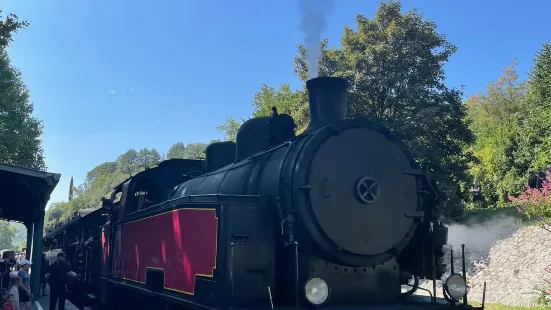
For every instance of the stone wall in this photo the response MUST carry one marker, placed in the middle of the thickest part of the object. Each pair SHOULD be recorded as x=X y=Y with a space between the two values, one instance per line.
x=510 y=257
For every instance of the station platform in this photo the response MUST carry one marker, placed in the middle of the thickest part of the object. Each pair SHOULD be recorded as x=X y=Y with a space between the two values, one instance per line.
x=43 y=303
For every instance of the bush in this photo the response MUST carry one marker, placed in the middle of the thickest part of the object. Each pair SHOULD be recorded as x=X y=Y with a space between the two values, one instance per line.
x=544 y=290
x=534 y=203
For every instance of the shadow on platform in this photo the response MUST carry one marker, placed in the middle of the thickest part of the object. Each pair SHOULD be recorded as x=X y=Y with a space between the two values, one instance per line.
x=43 y=303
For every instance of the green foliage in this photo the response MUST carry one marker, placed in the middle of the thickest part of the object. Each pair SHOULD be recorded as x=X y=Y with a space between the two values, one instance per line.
x=294 y=103
x=9 y=26
x=21 y=245
x=177 y=150
x=7 y=233
x=195 y=151
x=54 y=213
x=71 y=189
x=535 y=204
x=511 y=121
x=102 y=179
x=191 y=151
x=495 y=118
x=100 y=183
x=20 y=234
x=20 y=132
x=534 y=139
x=544 y=290
x=230 y=128
x=394 y=64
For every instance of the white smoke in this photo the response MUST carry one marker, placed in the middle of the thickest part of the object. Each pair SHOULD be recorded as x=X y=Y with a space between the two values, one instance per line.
x=479 y=238
x=313 y=14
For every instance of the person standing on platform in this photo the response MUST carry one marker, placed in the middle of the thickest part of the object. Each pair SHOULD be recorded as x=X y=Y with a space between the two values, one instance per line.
x=25 y=294
x=57 y=278
x=43 y=270
x=5 y=270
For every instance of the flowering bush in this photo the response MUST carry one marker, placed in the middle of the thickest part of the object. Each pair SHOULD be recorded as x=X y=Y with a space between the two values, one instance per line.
x=544 y=290
x=535 y=203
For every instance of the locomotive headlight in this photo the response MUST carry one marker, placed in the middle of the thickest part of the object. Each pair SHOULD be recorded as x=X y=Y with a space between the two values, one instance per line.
x=456 y=286
x=316 y=291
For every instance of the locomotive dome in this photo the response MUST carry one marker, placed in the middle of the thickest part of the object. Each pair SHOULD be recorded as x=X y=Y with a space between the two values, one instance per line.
x=351 y=184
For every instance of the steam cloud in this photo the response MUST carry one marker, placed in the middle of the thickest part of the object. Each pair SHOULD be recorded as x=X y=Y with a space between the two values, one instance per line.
x=479 y=238
x=312 y=23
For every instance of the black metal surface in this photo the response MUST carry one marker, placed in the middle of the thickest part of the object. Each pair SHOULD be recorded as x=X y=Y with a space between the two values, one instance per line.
x=463 y=262
x=252 y=137
x=324 y=189
x=24 y=192
x=327 y=101
x=342 y=201
x=356 y=285
x=281 y=127
x=356 y=202
x=219 y=154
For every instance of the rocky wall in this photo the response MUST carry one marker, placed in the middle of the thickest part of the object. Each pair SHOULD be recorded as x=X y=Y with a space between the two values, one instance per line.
x=510 y=257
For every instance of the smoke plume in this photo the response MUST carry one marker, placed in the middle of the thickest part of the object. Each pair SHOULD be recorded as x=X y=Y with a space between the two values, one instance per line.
x=313 y=14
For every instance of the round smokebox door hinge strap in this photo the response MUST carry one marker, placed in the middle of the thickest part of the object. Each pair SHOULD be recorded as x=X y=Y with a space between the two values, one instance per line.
x=367 y=190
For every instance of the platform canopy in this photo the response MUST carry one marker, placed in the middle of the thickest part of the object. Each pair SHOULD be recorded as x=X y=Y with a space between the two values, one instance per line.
x=24 y=192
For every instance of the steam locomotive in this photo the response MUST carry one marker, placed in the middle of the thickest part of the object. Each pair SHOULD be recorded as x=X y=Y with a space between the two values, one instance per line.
x=337 y=216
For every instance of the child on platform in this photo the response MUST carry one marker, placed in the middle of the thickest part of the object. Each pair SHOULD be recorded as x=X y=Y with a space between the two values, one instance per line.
x=8 y=303
x=15 y=281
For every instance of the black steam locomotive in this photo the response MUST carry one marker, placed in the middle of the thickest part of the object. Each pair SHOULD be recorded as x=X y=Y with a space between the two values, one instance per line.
x=338 y=216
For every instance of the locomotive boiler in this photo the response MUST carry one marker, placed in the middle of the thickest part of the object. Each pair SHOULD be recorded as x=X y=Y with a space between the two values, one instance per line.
x=339 y=215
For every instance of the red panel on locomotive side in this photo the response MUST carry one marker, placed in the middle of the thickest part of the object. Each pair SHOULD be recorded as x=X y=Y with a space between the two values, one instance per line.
x=182 y=242
x=104 y=246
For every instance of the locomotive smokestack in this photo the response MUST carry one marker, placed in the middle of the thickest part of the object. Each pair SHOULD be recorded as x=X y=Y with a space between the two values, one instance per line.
x=327 y=101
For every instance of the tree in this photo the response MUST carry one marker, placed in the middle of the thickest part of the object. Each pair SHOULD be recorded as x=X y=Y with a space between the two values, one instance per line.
x=177 y=150
x=71 y=189
x=230 y=128
x=195 y=151
x=7 y=233
x=534 y=139
x=394 y=64
x=20 y=132
x=8 y=27
x=495 y=117
x=105 y=168
x=148 y=158
x=127 y=162
x=294 y=103
x=54 y=213
x=22 y=245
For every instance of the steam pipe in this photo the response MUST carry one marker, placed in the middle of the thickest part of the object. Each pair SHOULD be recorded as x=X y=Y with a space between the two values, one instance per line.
x=433 y=260
x=326 y=100
x=484 y=295
x=451 y=260
x=464 y=272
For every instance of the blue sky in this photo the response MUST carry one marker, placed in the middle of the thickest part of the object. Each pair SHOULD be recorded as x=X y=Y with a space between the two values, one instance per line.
x=180 y=67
